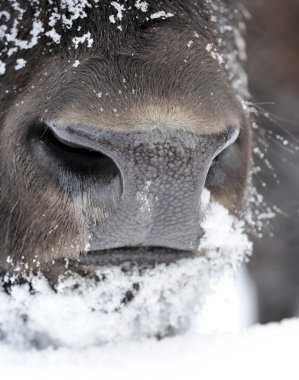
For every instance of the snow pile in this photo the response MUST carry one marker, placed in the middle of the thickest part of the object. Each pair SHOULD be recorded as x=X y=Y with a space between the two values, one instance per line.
x=120 y=303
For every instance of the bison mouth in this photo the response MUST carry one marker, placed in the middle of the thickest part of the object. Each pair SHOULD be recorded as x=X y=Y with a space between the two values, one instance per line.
x=112 y=301
x=141 y=256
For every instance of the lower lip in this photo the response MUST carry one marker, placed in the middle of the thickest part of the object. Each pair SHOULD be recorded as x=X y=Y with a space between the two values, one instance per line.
x=136 y=255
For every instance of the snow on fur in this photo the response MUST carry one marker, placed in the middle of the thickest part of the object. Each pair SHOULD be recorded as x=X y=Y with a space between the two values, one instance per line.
x=124 y=305
x=229 y=52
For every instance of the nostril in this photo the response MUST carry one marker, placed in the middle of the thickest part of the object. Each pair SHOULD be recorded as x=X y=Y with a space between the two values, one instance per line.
x=224 y=164
x=72 y=158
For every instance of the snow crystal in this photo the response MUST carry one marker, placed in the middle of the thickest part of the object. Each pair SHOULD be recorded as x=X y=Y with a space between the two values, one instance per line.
x=142 y=5
x=5 y=14
x=190 y=43
x=112 y=19
x=120 y=9
x=214 y=53
x=20 y=64
x=76 y=63
x=2 y=68
x=81 y=40
x=161 y=14
x=209 y=48
x=143 y=199
x=53 y=35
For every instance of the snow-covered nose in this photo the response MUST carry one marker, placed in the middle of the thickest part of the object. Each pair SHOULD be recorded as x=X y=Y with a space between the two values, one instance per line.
x=151 y=184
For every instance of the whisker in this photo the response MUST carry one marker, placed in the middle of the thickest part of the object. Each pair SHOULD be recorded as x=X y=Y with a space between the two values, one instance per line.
x=44 y=132
x=268 y=115
x=274 y=115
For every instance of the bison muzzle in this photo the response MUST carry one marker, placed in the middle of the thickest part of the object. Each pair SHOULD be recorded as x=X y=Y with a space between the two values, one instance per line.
x=114 y=117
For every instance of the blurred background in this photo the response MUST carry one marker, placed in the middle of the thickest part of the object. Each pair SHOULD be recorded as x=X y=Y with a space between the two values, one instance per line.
x=273 y=68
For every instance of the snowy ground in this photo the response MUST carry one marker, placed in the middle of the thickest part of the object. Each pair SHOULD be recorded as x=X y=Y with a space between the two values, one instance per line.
x=258 y=353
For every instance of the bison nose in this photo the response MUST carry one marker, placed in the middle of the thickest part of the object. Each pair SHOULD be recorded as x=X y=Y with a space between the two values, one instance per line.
x=148 y=182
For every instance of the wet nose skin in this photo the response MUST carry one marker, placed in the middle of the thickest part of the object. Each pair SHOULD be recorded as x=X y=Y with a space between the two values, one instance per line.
x=162 y=174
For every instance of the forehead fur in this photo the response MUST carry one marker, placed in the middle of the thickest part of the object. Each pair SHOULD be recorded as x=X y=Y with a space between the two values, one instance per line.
x=114 y=26
x=129 y=47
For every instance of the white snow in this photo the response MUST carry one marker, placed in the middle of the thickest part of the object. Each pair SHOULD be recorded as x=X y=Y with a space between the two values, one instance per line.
x=119 y=8
x=161 y=14
x=210 y=48
x=190 y=43
x=224 y=235
x=142 y=5
x=112 y=19
x=54 y=35
x=145 y=201
x=2 y=68
x=258 y=352
x=76 y=63
x=82 y=39
x=20 y=64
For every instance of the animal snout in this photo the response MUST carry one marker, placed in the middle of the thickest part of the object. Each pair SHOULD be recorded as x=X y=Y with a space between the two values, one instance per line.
x=134 y=188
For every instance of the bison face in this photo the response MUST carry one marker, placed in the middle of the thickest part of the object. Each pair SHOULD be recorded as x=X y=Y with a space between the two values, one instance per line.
x=106 y=149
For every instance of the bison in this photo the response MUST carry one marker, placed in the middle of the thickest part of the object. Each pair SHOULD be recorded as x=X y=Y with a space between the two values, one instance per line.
x=114 y=117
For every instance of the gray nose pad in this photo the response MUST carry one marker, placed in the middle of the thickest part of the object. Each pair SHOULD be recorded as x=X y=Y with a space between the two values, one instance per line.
x=163 y=175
